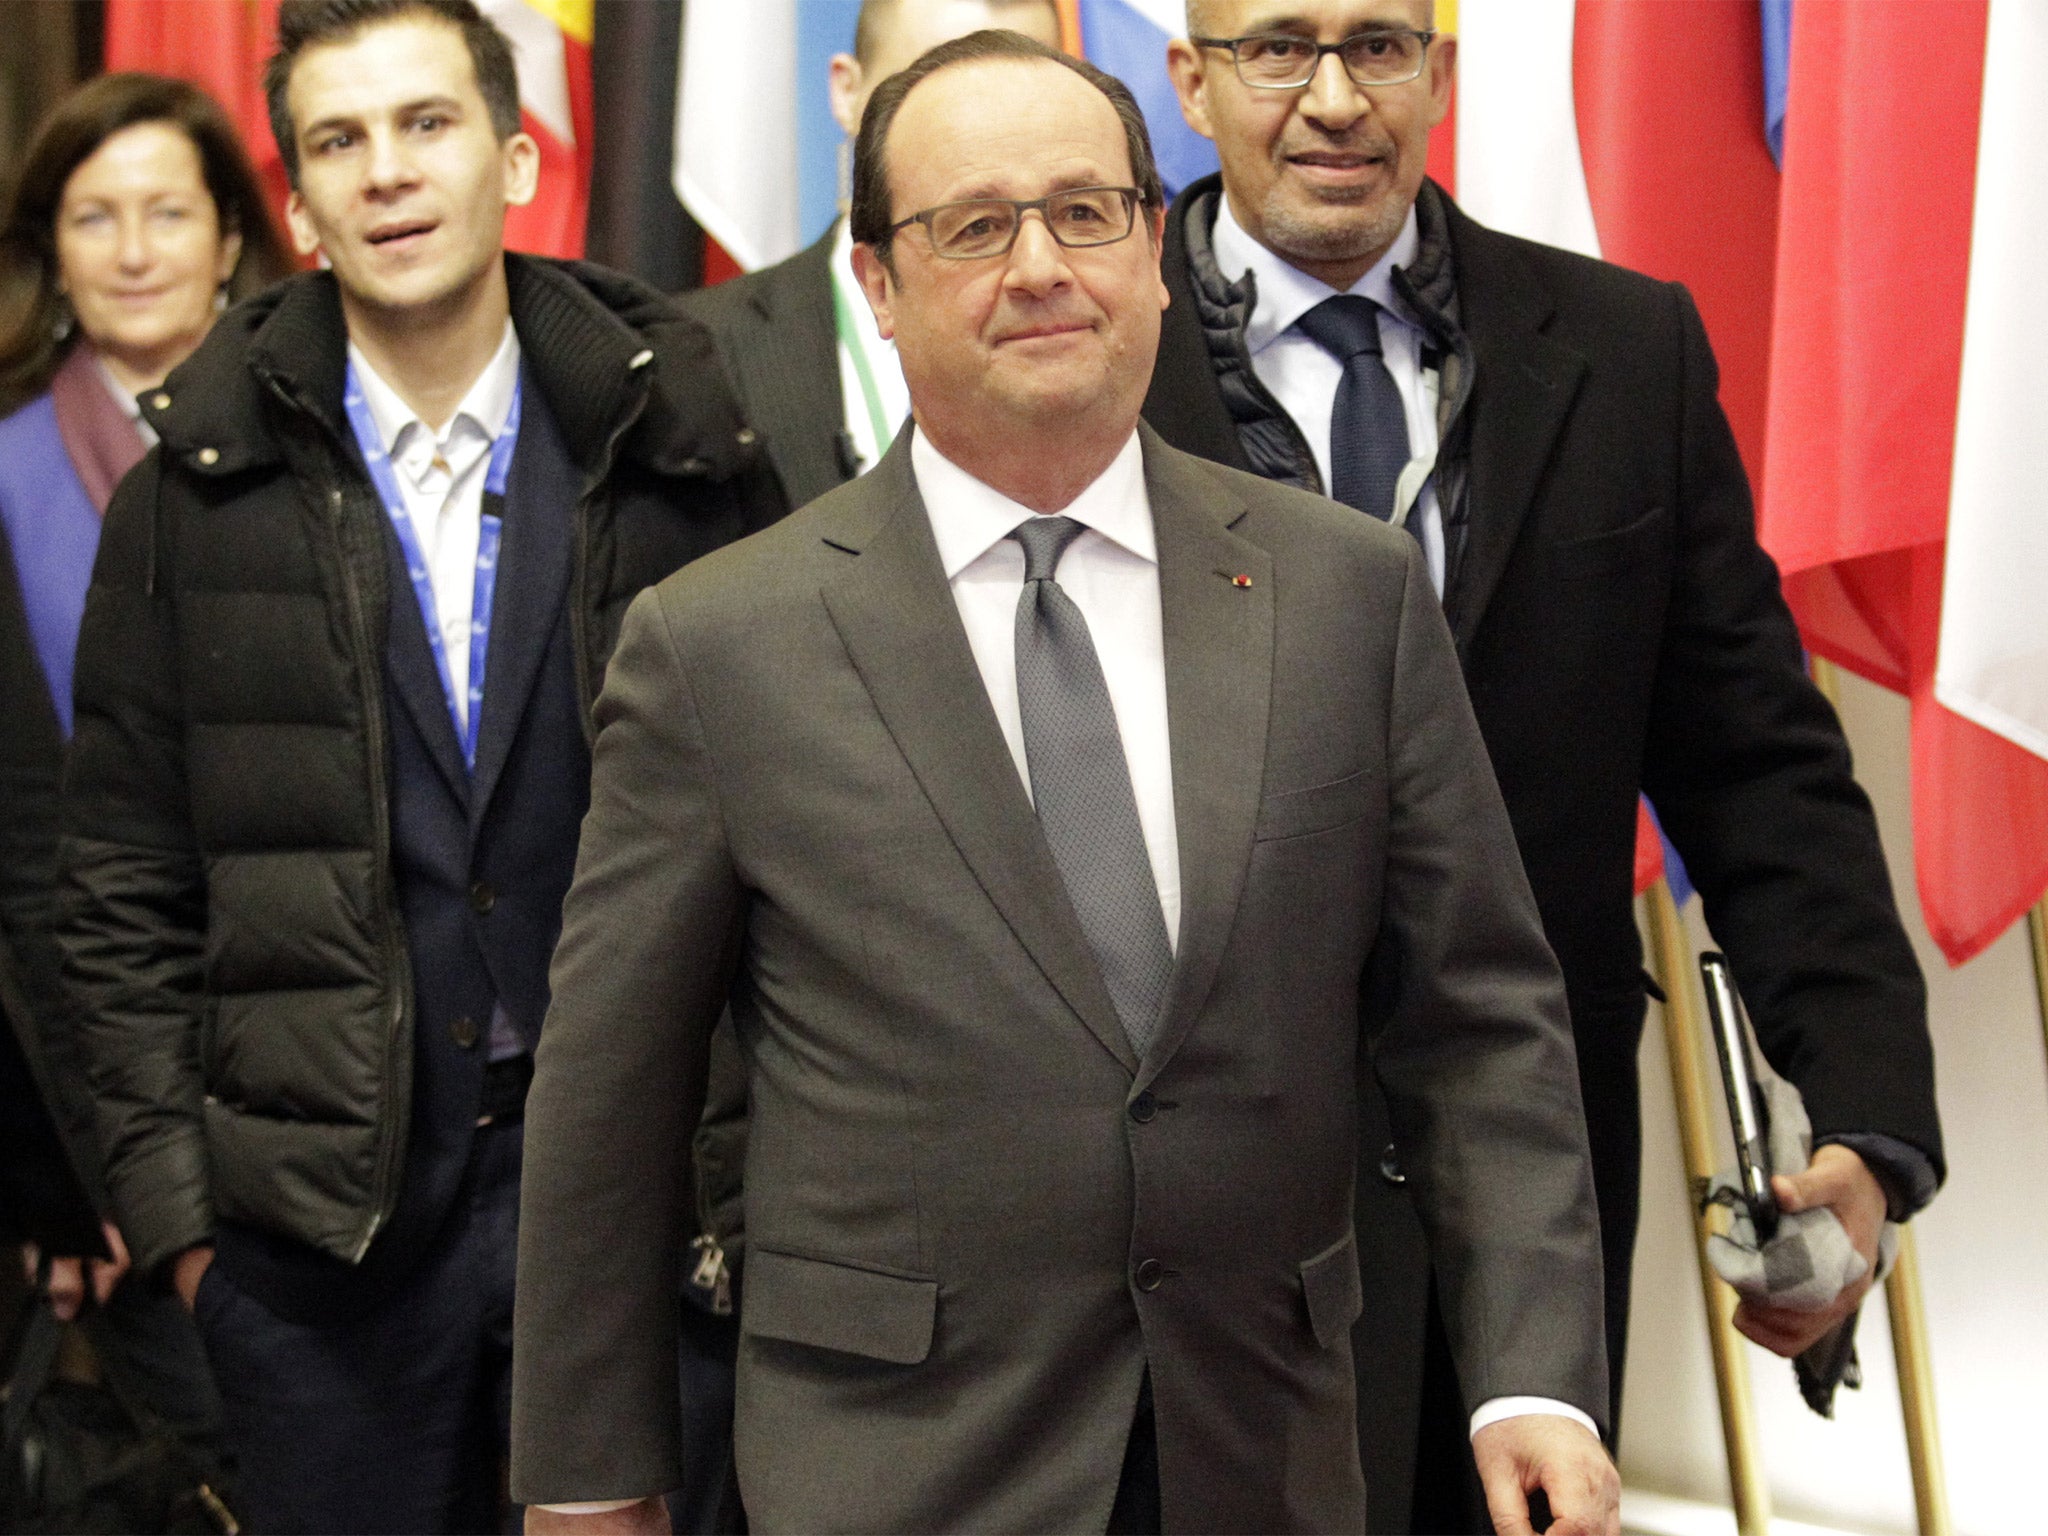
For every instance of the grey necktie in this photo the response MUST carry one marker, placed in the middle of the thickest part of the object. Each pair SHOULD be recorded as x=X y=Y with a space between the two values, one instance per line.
x=1081 y=784
x=1369 y=427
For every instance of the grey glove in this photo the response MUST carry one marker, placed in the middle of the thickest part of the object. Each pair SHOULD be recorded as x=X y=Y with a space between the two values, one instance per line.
x=1810 y=1260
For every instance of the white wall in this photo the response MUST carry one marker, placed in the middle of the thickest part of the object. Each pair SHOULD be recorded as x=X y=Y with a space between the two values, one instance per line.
x=1983 y=1255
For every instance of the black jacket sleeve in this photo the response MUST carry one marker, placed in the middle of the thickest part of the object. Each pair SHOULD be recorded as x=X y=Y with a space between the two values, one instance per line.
x=131 y=901
x=1751 y=776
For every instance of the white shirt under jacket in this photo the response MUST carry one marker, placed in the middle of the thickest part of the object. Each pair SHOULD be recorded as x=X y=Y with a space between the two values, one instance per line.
x=1303 y=375
x=441 y=477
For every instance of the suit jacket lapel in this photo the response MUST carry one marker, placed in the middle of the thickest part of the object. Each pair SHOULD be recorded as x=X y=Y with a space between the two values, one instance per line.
x=533 y=574
x=899 y=624
x=414 y=676
x=1523 y=386
x=1219 y=675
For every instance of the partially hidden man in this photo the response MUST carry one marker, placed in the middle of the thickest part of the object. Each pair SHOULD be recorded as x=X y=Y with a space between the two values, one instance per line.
x=332 y=752
x=1545 y=429
x=1070 y=824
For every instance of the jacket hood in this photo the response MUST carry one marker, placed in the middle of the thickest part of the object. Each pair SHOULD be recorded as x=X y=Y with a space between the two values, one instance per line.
x=596 y=341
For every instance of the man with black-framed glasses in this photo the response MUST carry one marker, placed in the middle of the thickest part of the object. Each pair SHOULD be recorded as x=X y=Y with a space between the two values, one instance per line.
x=1545 y=428
x=1066 y=821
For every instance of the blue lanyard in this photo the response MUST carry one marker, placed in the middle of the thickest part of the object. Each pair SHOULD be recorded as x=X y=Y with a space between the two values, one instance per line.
x=385 y=478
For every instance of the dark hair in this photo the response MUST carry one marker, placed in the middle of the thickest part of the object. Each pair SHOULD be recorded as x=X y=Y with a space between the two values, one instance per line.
x=868 y=24
x=870 y=216
x=32 y=311
x=303 y=24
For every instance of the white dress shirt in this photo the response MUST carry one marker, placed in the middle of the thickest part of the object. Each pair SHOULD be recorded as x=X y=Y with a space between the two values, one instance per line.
x=858 y=332
x=1303 y=375
x=1112 y=573
x=441 y=476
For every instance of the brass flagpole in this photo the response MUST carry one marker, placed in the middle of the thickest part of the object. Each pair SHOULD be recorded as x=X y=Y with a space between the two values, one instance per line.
x=1905 y=1304
x=1671 y=956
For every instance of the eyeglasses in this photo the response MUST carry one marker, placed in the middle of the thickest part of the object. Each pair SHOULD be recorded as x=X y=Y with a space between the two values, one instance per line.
x=987 y=226
x=1282 y=61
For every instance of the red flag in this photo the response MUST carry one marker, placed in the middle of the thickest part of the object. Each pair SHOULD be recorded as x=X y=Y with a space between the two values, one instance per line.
x=219 y=45
x=222 y=45
x=1867 y=356
x=1669 y=103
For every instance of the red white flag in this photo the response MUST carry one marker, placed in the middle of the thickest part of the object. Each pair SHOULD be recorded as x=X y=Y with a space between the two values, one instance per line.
x=1993 y=666
x=551 y=42
x=1866 y=364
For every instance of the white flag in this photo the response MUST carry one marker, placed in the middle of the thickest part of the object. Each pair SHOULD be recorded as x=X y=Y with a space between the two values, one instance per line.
x=1993 y=661
x=736 y=126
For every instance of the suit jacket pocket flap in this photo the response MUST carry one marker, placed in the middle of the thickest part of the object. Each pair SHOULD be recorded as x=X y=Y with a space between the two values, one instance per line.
x=839 y=1306
x=1330 y=1282
x=1297 y=812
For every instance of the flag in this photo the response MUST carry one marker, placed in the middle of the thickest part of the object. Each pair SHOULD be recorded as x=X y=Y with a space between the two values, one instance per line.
x=1863 y=452
x=551 y=46
x=736 y=127
x=221 y=45
x=1128 y=38
x=1992 y=666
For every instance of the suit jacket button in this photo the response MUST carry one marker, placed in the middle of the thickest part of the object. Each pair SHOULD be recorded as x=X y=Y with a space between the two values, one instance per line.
x=1144 y=1107
x=482 y=897
x=1390 y=1167
x=1149 y=1273
x=463 y=1031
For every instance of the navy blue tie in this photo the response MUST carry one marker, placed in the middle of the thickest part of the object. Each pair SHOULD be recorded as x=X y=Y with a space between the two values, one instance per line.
x=1369 y=427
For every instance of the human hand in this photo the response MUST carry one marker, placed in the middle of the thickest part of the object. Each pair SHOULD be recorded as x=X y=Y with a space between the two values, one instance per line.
x=647 y=1517
x=69 y=1276
x=187 y=1269
x=1838 y=1179
x=1562 y=1457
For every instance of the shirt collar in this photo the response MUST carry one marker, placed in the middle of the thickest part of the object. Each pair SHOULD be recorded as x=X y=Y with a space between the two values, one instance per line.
x=969 y=518
x=1286 y=293
x=488 y=403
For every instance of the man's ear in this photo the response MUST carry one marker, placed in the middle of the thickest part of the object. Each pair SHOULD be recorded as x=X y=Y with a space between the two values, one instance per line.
x=879 y=284
x=522 y=169
x=1184 y=63
x=1155 y=226
x=305 y=238
x=1443 y=69
x=843 y=78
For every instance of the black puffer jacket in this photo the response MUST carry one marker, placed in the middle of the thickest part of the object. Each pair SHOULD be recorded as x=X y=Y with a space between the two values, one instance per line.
x=229 y=920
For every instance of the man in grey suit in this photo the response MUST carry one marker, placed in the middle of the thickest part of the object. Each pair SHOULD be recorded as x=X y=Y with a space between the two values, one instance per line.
x=1068 y=822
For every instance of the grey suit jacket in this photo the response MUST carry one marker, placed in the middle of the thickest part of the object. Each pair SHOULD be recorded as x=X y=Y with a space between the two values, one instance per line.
x=974 y=1216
